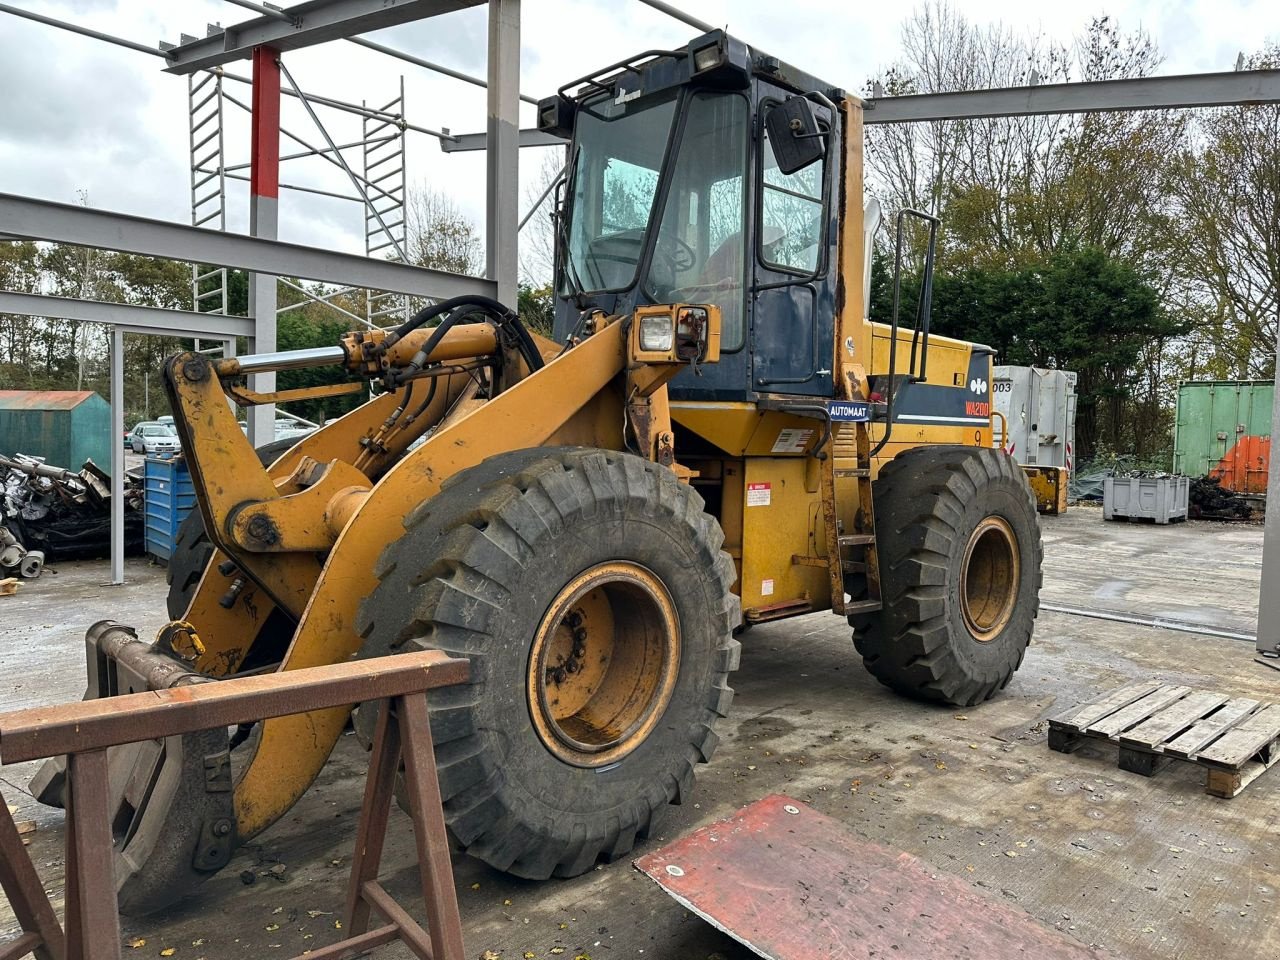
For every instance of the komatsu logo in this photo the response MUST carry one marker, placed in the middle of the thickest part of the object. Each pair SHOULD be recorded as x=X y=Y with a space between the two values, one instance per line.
x=978 y=386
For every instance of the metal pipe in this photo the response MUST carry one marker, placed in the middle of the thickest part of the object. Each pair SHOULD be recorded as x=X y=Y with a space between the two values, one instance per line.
x=671 y=11
x=537 y=203
x=282 y=360
x=427 y=64
x=1162 y=623
x=83 y=31
x=352 y=108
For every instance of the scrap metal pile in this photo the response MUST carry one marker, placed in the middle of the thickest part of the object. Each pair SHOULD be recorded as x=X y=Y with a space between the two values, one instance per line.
x=1210 y=501
x=49 y=513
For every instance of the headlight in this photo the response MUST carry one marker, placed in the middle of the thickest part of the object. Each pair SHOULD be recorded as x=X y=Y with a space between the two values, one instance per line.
x=656 y=333
x=706 y=58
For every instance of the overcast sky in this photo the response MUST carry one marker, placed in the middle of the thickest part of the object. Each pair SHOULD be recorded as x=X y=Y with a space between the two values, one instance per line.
x=77 y=114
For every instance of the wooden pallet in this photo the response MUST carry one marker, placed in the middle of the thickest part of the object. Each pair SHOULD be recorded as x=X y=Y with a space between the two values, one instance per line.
x=1233 y=738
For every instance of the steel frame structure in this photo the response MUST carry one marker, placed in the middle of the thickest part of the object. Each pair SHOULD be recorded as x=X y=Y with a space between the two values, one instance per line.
x=316 y=21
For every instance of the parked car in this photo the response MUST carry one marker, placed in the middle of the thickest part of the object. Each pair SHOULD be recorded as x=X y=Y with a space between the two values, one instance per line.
x=155 y=438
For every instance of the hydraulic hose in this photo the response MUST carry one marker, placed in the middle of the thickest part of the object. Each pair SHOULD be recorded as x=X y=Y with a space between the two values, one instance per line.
x=456 y=308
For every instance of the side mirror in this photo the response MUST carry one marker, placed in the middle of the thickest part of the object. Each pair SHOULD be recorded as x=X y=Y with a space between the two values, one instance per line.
x=794 y=135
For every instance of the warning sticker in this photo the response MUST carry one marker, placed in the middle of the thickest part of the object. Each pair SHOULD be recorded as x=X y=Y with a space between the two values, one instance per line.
x=792 y=440
x=759 y=494
x=766 y=588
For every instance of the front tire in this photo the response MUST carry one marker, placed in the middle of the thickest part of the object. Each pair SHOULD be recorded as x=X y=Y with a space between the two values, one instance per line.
x=589 y=591
x=960 y=554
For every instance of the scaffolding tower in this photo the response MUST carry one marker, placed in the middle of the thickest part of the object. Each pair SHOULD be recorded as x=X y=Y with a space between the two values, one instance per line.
x=208 y=184
x=385 y=214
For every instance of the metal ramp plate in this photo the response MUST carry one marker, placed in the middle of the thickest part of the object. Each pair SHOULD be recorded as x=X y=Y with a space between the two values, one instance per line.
x=793 y=884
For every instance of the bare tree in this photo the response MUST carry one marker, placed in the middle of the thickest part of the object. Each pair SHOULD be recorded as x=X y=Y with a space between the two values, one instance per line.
x=440 y=235
x=537 y=239
x=1227 y=187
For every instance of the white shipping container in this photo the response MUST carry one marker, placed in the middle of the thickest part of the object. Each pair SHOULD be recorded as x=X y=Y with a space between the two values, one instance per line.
x=1039 y=406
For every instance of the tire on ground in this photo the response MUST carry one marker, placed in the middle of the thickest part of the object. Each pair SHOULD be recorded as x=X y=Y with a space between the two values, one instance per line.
x=938 y=509
x=477 y=569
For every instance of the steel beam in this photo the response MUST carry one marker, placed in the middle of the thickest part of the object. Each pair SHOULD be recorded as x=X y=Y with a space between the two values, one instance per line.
x=1268 y=637
x=172 y=323
x=464 y=142
x=1142 y=93
x=31 y=219
x=502 y=161
x=309 y=23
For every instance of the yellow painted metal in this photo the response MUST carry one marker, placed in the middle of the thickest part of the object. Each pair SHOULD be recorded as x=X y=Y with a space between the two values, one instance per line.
x=1049 y=484
x=292 y=750
x=603 y=664
x=780 y=518
x=743 y=429
x=852 y=347
x=299 y=521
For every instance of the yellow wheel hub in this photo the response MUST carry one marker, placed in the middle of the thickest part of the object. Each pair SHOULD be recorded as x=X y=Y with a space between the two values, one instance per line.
x=989 y=578
x=603 y=664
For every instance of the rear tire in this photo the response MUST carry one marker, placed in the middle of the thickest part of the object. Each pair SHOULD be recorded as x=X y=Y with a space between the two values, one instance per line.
x=960 y=555
x=529 y=562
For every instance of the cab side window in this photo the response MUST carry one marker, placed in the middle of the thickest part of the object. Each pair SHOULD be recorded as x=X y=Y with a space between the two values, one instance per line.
x=792 y=220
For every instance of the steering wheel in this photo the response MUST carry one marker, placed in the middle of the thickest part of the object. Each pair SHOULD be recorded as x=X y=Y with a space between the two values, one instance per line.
x=679 y=254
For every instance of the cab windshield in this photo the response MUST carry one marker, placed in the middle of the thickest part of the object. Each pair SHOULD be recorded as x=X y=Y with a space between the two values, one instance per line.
x=699 y=253
x=618 y=157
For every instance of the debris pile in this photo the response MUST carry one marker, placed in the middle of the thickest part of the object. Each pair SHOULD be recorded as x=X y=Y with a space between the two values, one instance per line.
x=1210 y=501
x=49 y=513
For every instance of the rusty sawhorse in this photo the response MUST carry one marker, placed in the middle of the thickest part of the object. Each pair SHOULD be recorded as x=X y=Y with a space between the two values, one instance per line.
x=83 y=732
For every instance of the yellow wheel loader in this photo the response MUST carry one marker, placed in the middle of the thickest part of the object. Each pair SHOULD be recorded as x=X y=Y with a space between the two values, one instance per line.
x=715 y=436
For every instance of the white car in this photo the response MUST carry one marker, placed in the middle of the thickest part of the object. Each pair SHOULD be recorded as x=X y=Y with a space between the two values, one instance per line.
x=155 y=439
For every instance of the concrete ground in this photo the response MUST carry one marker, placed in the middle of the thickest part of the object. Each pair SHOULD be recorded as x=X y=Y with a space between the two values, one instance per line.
x=1146 y=868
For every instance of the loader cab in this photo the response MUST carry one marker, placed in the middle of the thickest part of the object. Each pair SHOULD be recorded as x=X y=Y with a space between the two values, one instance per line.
x=673 y=193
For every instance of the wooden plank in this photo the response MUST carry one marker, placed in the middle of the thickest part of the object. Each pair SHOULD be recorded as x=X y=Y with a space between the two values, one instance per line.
x=1080 y=717
x=793 y=884
x=1135 y=713
x=9 y=586
x=1210 y=728
x=51 y=731
x=1244 y=741
x=1172 y=720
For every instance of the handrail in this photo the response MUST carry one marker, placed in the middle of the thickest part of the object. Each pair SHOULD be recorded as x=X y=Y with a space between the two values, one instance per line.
x=52 y=731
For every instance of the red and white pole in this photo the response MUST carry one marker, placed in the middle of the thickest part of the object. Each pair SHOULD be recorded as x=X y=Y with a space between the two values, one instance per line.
x=264 y=197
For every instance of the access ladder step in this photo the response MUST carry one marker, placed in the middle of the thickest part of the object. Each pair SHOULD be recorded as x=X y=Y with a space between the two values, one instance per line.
x=854 y=472
x=857 y=539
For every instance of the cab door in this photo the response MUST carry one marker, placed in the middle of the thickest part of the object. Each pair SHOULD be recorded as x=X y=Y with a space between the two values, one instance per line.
x=792 y=296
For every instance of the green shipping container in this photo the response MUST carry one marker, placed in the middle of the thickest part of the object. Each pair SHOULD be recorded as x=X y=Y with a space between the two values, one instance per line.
x=66 y=427
x=1224 y=429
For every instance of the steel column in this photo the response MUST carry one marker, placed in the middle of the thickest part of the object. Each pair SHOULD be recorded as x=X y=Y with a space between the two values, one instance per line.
x=502 y=161
x=1268 y=638
x=117 y=455
x=264 y=198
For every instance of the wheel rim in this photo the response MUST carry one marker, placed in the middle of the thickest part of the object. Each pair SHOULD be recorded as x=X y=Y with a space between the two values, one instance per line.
x=603 y=664
x=989 y=578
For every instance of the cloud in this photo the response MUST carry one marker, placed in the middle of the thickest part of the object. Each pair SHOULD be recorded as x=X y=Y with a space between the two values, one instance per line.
x=79 y=114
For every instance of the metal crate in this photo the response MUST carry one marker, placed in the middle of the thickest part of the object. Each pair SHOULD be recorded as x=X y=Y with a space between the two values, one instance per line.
x=169 y=497
x=1162 y=499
